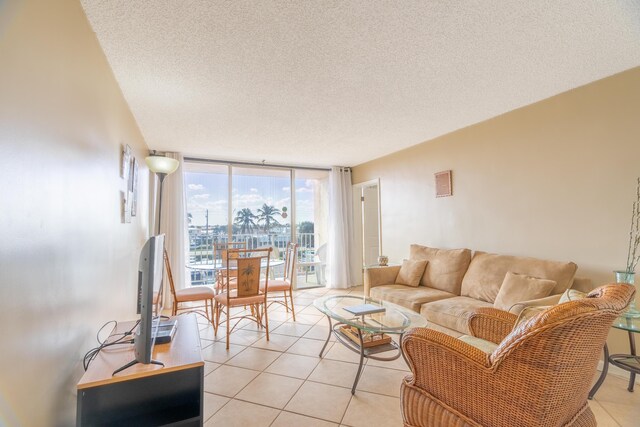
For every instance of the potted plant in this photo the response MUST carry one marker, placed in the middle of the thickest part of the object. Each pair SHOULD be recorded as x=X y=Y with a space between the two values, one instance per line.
x=633 y=253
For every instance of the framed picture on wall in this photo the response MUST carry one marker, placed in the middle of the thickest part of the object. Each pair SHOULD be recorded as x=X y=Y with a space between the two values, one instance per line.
x=125 y=163
x=443 y=184
x=133 y=188
x=125 y=207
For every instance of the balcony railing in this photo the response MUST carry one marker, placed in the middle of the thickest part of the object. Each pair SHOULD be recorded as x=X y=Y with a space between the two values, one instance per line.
x=201 y=251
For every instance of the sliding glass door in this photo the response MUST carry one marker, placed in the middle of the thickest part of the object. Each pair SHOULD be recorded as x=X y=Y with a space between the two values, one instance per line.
x=207 y=198
x=260 y=206
x=312 y=212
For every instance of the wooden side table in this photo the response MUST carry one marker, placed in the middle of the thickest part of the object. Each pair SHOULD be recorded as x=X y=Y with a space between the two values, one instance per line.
x=628 y=362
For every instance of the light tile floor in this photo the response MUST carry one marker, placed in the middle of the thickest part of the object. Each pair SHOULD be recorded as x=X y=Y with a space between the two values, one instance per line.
x=282 y=382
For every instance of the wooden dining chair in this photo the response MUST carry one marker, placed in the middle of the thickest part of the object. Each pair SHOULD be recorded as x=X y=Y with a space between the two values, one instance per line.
x=284 y=286
x=247 y=292
x=220 y=250
x=189 y=295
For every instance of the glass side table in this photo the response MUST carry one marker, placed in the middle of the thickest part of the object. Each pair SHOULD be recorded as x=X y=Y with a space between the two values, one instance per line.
x=628 y=362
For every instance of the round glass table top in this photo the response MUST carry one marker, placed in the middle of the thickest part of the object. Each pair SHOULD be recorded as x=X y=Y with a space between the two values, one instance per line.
x=394 y=320
x=217 y=265
x=630 y=324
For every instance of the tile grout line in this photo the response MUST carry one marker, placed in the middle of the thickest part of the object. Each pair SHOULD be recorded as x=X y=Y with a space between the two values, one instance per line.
x=281 y=352
x=615 y=420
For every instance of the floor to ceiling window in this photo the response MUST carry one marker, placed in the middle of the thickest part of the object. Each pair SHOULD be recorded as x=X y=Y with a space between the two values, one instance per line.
x=260 y=206
x=312 y=212
x=207 y=196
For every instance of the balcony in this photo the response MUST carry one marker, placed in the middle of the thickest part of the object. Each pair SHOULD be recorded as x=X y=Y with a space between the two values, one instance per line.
x=201 y=255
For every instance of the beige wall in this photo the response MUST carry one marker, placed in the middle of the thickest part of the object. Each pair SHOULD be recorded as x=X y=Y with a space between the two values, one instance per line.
x=67 y=264
x=554 y=180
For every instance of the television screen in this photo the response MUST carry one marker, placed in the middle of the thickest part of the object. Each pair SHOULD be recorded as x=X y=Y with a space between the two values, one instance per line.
x=150 y=271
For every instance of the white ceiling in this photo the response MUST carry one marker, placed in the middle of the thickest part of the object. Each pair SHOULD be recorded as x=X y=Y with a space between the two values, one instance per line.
x=339 y=82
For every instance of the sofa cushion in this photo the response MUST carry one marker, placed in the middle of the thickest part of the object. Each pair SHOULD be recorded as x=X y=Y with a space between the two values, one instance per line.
x=445 y=269
x=452 y=313
x=520 y=287
x=411 y=272
x=487 y=271
x=444 y=330
x=483 y=345
x=407 y=296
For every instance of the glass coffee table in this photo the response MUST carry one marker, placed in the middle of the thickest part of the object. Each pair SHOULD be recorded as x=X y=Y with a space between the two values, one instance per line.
x=628 y=362
x=368 y=334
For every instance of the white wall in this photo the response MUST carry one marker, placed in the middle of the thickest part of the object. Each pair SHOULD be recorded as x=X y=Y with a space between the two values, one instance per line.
x=67 y=263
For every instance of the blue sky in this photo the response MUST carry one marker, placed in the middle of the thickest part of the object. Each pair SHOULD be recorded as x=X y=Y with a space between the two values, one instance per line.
x=209 y=191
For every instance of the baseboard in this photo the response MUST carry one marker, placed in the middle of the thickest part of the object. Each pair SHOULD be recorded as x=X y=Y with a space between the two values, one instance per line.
x=617 y=372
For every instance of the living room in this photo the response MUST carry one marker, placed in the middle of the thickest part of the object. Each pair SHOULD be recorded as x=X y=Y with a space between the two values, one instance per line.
x=544 y=164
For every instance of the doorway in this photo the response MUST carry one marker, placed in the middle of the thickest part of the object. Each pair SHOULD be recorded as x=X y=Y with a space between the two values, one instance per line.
x=367 y=226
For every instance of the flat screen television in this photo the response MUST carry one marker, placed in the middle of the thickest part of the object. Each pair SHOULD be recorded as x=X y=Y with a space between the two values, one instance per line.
x=150 y=271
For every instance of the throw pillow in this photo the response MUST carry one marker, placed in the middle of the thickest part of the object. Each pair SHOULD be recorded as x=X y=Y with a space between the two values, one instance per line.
x=528 y=313
x=519 y=287
x=572 y=295
x=411 y=272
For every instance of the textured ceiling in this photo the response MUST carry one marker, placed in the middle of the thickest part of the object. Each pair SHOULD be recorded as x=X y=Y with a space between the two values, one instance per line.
x=343 y=82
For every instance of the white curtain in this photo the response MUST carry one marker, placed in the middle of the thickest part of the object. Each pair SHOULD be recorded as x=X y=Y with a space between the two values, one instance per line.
x=340 y=239
x=173 y=224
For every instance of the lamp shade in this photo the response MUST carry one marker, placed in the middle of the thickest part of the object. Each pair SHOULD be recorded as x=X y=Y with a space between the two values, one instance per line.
x=161 y=164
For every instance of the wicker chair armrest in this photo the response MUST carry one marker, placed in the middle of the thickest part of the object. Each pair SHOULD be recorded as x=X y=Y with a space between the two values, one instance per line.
x=428 y=352
x=491 y=324
x=379 y=276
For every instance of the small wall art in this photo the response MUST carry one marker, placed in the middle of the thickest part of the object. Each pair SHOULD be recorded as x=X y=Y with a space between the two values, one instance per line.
x=443 y=184
x=133 y=186
x=128 y=172
x=125 y=162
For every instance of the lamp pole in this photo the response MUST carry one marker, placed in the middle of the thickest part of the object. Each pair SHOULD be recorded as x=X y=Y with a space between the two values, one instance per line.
x=161 y=176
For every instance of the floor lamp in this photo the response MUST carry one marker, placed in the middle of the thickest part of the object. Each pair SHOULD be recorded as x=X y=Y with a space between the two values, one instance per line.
x=161 y=166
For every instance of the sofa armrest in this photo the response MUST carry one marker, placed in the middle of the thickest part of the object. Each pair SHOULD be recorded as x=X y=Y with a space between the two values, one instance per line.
x=517 y=308
x=377 y=276
x=491 y=324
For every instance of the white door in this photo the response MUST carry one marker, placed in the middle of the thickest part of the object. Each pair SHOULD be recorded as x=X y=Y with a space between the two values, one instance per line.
x=366 y=224
x=370 y=225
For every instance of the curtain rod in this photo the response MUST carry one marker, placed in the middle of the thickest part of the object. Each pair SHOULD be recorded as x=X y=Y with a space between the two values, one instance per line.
x=266 y=165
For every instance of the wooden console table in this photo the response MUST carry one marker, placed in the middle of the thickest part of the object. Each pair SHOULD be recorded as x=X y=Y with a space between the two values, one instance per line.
x=146 y=395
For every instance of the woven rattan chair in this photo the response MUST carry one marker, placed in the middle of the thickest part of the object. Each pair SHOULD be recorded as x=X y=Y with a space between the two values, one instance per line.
x=284 y=286
x=248 y=293
x=538 y=376
x=189 y=296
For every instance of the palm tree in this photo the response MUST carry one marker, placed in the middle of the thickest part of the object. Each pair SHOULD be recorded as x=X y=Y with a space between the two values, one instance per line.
x=245 y=219
x=266 y=216
x=246 y=273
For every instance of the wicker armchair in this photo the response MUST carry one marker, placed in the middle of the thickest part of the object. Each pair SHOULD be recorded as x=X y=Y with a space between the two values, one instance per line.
x=539 y=375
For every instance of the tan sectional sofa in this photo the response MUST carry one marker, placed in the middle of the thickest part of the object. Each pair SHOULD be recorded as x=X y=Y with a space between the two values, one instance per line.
x=455 y=284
